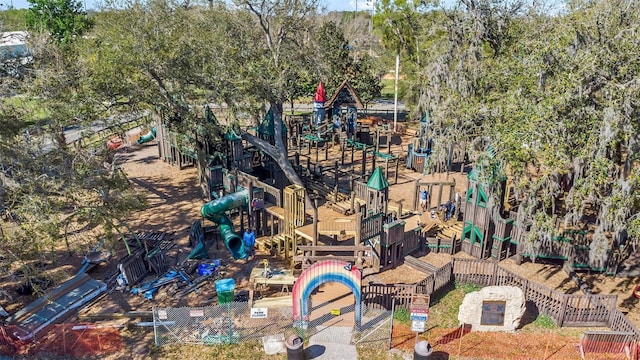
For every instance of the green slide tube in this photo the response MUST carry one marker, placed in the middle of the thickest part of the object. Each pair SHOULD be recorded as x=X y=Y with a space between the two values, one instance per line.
x=148 y=136
x=214 y=210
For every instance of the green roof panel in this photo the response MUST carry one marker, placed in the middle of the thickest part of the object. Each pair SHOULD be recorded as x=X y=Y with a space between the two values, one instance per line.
x=378 y=181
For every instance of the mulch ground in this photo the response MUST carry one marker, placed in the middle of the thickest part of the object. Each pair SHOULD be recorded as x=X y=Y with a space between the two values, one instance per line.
x=466 y=344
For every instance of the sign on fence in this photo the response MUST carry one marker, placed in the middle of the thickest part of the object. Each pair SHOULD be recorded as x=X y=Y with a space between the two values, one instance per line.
x=419 y=310
x=417 y=326
x=259 y=313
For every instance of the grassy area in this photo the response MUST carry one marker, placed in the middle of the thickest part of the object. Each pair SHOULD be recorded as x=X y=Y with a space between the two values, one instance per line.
x=33 y=107
x=444 y=313
x=241 y=351
x=388 y=89
x=375 y=354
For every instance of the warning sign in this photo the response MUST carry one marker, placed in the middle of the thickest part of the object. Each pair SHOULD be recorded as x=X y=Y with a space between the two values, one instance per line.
x=419 y=311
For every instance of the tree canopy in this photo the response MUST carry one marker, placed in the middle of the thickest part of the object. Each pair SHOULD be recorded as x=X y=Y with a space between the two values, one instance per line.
x=554 y=95
x=63 y=19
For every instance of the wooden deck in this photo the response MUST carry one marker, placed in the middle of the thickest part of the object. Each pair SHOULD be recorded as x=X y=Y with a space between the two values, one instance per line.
x=274 y=210
x=337 y=227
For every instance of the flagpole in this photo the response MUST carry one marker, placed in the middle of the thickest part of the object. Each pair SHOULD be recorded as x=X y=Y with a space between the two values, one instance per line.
x=395 y=103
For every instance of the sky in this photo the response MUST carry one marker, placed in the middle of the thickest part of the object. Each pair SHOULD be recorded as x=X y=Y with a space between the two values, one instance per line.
x=335 y=5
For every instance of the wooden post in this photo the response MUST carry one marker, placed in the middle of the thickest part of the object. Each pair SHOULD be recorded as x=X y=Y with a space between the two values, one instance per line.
x=563 y=309
x=342 y=148
x=374 y=156
x=386 y=202
x=386 y=168
x=494 y=275
x=396 y=174
x=353 y=150
x=315 y=225
x=326 y=150
x=250 y=220
x=353 y=199
x=452 y=192
x=317 y=151
x=336 y=178
x=272 y=225
x=449 y=158
x=416 y=196
x=364 y=161
x=464 y=152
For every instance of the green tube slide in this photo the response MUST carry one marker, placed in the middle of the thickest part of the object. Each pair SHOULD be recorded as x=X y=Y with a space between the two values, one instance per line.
x=214 y=210
x=148 y=136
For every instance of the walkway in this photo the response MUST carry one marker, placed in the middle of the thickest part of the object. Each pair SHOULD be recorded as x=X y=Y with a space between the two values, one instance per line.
x=332 y=343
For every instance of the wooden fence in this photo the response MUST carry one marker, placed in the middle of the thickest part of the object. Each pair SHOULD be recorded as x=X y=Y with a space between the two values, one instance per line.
x=436 y=281
x=411 y=241
x=382 y=295
x=565 y=309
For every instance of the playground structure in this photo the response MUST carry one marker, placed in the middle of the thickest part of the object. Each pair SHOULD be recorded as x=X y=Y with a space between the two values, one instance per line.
x=496 y=227
x=340 y=169
x=242 y=180
x=421 y=150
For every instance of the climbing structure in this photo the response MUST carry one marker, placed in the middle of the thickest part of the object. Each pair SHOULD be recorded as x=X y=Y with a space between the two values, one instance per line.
x=294 y=202
x=420 y=148
x=491 y=231
x=486 y=233
x=371 y=216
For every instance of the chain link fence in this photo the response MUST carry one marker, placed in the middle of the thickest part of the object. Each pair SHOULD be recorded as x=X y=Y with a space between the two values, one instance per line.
x=221 y=324
x=233 y=323
x=375 y=330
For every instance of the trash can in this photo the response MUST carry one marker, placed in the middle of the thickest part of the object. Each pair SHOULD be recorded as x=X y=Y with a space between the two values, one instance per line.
x=422 y=350
x=295 y=350
x=225 y=289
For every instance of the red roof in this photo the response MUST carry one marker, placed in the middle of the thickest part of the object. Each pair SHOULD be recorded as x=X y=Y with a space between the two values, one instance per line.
x=320 y=95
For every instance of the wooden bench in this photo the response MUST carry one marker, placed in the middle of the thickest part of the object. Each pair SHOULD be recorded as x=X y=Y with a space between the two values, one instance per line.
x=612 y=342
